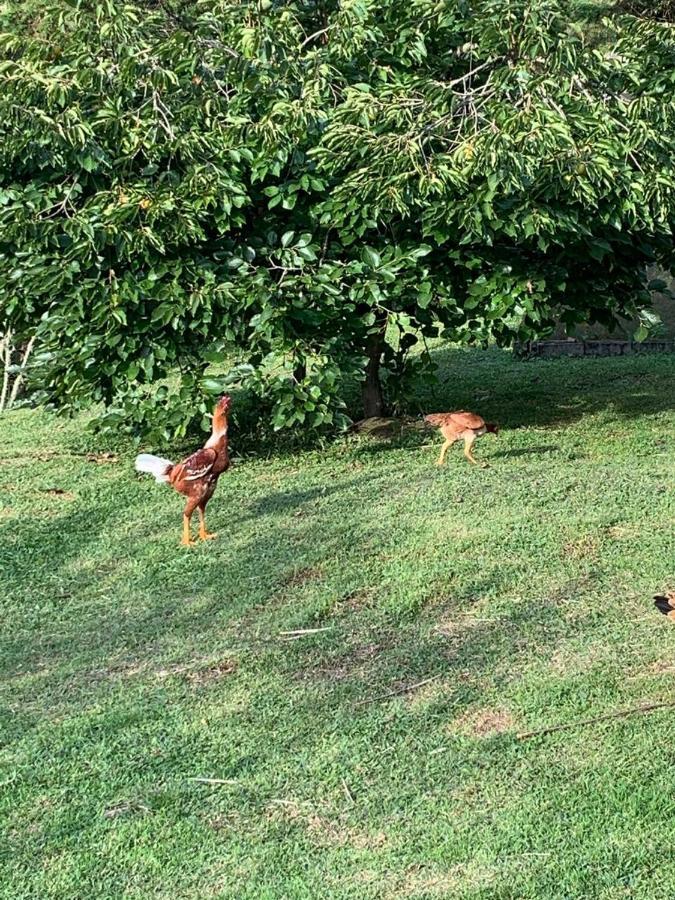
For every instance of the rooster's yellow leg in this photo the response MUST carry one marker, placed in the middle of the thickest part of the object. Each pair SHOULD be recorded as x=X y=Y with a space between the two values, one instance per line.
x=203 y=533
x=186 y=540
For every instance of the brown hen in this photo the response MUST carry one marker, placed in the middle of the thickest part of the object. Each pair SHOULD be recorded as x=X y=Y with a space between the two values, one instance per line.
x=461 y=424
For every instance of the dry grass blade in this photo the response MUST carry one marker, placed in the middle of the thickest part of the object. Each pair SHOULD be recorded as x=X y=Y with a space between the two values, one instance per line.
x=200 y=780
x=301 y=632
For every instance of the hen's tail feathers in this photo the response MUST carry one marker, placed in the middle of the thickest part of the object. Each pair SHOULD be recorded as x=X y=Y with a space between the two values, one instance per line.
x=154 y=465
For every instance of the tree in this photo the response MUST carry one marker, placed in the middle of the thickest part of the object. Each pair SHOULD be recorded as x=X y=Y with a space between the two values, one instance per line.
x=312 y=188
x=660 y=10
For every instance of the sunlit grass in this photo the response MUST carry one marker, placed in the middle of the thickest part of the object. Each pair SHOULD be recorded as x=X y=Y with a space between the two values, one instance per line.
x=521 y=595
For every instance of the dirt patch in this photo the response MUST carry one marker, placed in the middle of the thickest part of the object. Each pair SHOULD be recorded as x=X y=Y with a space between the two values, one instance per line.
x=349 y=665
x=323 y=831
x=384 y=428
x=206 y=674
x=118 y=670
x=655 y=669
x=451 y=626
x=569 y=661
x=352 y=601
x=58 y=492
x=211 y=673
x=102 y=458
x=378 y=427
x=125 y=809
x=426 y=885
x=484 y=723
x=302 y=576
x=622 y=532
x=224 y=821
x=582 y=547
x=428 y=693
x=421 y=882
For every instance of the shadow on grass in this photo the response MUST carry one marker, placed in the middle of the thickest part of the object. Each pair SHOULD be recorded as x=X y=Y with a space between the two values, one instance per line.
x=525 y=451
x=517 y=393
x=198 y=599
x=185 y=606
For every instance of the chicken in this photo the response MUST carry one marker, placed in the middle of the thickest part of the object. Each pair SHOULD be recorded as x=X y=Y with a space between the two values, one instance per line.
x=196 y=477
x=461 y=424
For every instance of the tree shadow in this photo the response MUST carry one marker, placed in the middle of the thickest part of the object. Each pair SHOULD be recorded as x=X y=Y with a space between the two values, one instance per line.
x=187 y=603
x=56 y=540
x=516 y=393
x=525 y=451
x=283 y=501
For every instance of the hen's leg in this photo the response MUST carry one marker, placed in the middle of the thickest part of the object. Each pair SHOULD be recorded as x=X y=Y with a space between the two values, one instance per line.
x=444 y=450
x=449 y=441
x=187 y=518
x=468 y=444
x=203 y=533
x=187 y=539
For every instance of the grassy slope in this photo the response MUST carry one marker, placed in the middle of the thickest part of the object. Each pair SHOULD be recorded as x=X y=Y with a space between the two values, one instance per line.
x=131 y=666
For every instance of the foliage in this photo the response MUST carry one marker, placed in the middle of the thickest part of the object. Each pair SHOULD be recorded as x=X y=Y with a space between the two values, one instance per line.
x=129 y=669
x=661 y=10
x=309 y=186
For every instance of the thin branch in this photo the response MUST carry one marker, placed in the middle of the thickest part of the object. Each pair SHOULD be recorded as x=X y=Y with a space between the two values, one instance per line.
x=315 y=35
x=621 y=714
x=19 y=378
x=6 y=350
x=163 y=115
x=470 y=73
x=406 y=689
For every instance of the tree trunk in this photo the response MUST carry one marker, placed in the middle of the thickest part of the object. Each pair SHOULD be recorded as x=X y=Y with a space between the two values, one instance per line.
x=371 y=389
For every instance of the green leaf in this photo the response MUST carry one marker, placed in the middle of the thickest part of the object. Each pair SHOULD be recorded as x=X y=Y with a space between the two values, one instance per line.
x=371 y=257
x=213 y=385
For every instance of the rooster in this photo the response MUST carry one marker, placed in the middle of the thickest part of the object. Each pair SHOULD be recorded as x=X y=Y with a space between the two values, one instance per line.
x=462 y=424
x=196 y=477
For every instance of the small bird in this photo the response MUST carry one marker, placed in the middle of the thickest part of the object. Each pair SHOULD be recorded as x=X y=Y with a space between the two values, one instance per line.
x=461 y=424
x=196 y=477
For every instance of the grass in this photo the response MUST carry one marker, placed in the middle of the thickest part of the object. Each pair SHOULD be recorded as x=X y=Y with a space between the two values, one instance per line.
x=132 y=668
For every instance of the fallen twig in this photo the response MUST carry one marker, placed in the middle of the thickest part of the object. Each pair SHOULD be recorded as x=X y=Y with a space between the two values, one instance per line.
x=214 y=780
x=402 y=690
x=303 y=631
x=622 y=713
x=348 y=793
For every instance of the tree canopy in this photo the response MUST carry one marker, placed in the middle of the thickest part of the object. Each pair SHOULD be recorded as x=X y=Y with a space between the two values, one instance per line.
x=310 y=188
x=661 y=10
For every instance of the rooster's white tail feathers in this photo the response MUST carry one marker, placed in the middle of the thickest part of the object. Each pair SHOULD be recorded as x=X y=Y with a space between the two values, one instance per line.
x=154 y=465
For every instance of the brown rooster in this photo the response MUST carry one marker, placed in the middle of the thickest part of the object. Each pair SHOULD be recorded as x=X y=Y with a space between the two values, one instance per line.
x=461 y=424
x=196 y=477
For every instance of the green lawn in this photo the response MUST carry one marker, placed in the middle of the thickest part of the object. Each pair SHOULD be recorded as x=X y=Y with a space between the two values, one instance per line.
x=132 y=667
